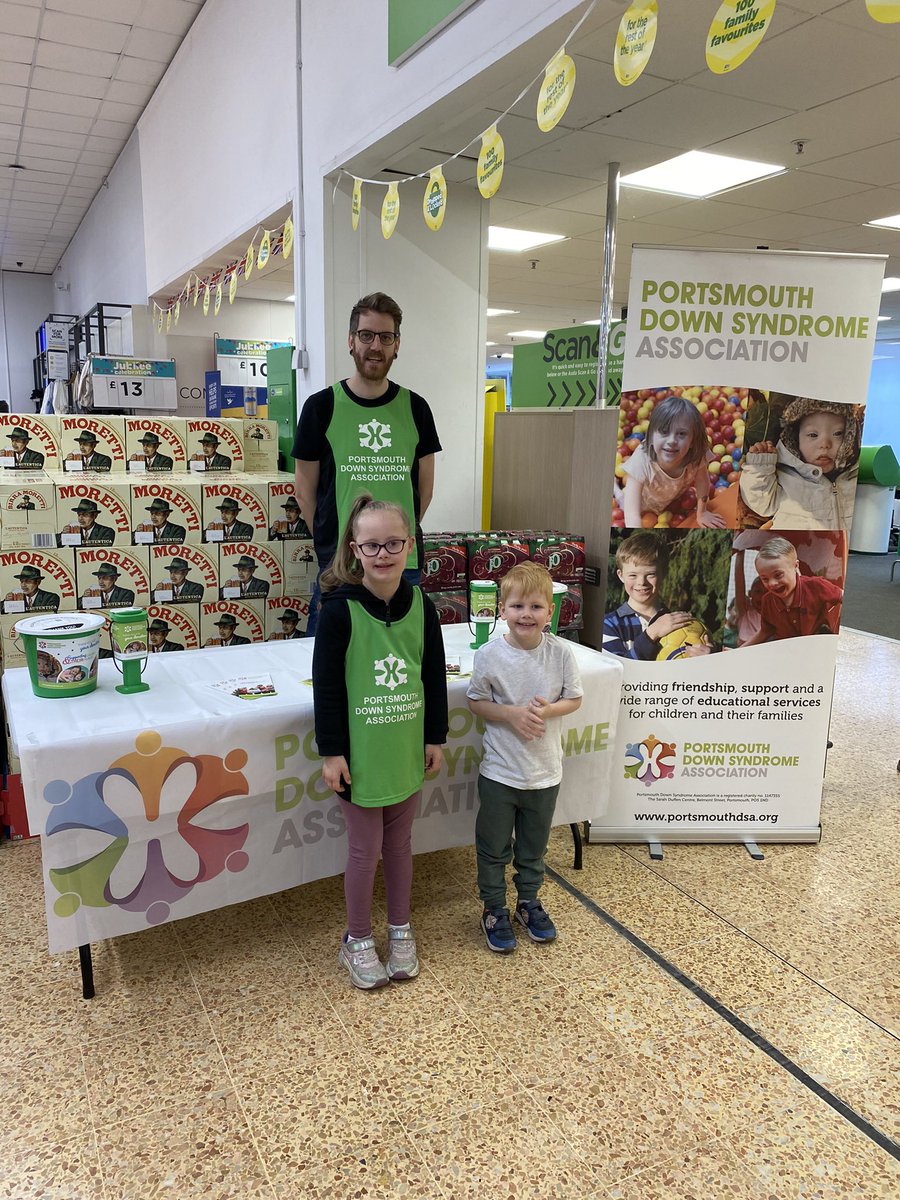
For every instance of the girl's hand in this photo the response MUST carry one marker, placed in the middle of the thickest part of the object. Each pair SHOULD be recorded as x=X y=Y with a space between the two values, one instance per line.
x=335 y=772
x=434 y=759
x=667 y=623
x=710 y=520
x=526 y=721
x=762 y=448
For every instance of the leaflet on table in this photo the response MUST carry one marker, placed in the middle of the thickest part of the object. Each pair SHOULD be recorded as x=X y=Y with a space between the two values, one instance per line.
x=246 y=687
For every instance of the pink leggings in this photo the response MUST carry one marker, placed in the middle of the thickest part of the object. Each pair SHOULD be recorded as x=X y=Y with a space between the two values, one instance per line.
x=374 y=833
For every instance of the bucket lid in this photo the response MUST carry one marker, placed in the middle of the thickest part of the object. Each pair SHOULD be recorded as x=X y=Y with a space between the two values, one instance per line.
x=59 y=624
x=559 y=588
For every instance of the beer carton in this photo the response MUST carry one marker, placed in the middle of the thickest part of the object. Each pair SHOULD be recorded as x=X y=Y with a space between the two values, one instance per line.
x=94 y=510
x=94 y=444
x=27 y=511
x=285 y=522
x=260 y=445
x=13 y=646
x=165 y=511
x=28 y=443
x=286 y=618
x=445 y=565
x=214 y=445
x=183 y=574
x=173 y=627
x=452 y=606
x=37 y=581
x=112 y=577
x=155 y=444
x=232 y=622
x=492 y=557
x=250 y=570
x=234 y=510
x=300 y=567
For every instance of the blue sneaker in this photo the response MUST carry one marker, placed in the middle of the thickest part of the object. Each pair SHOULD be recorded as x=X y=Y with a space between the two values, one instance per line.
x=498 y=931
x=538 y=925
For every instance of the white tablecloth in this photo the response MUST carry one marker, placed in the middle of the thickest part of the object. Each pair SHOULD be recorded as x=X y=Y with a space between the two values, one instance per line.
x=182 y=799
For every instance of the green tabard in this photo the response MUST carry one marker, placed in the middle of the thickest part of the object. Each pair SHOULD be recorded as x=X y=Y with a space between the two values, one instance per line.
x=386 y=709
x=374 y=451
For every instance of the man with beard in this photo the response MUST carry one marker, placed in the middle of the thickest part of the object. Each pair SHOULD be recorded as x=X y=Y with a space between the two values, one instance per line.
x=365 y=433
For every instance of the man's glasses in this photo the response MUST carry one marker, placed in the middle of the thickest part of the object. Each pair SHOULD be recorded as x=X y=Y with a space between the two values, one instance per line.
x=392 y=545
x=368 y=336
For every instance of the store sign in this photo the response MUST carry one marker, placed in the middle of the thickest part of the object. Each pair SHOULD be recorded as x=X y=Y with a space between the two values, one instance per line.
x=413 y=23
x=242 y=362
x=134 y=383
x=561 y=370
x=57 y=364
x=56 y=335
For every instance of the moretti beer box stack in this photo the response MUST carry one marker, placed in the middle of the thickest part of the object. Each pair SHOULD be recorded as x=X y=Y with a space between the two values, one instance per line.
x=453 y=560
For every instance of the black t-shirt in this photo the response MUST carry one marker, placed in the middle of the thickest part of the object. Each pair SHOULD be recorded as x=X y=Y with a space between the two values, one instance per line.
x=311 y=445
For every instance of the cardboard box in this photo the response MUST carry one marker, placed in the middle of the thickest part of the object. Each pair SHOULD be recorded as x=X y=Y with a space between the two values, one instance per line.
x=192 y=571
x=177 y=627
x=234 y=509
x=570 y=613
x=166 y=511
x=562 y=555
x=250 y=570
x=27 y=511
x=13 y=648
x=214 y=445
x=260 y=445
x=491 y=557
x=452 y=606
x=445 y=565
x=38 y=450
x=300 y=567
x=94 y=444
x=49 y=584
x=285 y=522
x=93 y=510
x=286 y=618
x=155 y=444
x=112 y=577
x=239 y=621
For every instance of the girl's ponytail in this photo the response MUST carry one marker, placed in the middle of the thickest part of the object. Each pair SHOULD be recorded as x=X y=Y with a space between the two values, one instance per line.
x=345 y=567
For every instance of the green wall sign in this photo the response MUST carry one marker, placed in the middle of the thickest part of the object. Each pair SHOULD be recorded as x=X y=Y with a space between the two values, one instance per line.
x=412 y=23
x=561 y=371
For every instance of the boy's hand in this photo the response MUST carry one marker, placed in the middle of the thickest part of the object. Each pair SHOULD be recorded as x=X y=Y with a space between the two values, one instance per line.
x=710 y=520
x=762 y=448
x=697 y=651
x=668 y=623
x=336 y=772
x=526 y=721
x=434 y=758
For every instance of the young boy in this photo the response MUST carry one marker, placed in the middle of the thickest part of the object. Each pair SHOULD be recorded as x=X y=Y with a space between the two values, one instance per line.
x=522 y=685
x=634 y=629
x=793 y=605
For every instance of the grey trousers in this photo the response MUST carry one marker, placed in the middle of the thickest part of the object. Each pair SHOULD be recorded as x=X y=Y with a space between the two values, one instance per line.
x=513 y=824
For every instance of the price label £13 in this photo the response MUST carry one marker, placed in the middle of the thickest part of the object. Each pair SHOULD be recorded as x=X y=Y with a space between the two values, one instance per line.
x=134 y=383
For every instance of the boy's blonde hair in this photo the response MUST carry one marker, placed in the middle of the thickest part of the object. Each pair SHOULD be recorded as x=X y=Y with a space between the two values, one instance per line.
x=645 y=548
x=527 y=579
x=777 y=547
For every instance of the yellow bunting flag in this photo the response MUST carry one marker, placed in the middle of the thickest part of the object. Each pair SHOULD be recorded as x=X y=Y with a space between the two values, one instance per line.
x=249 y=261
x=390 y=210
x=736 y=30
x=159 y=319
x=434 y=203
x=168 y=319
x=490 y=162
x=556 y=91
x=886 y=12
x=217 y=304
x=265 y=249
x=206 y=298
x=287 y=240
x=177 y=310
x=635 y=40
x=356 y=203
x=232 y=286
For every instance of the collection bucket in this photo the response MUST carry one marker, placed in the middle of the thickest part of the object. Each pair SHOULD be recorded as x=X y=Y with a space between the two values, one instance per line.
x=62 y=651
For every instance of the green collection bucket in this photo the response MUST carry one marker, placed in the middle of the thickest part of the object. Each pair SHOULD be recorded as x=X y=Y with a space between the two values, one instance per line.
x=62 y=651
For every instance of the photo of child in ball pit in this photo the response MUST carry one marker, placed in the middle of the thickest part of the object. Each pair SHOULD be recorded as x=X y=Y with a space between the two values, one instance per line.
x=800 y=463
x=784 y=585
x=679 y=457
x=666 y=594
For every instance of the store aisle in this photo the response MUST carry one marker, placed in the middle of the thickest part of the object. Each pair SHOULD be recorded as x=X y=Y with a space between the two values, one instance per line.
x=226 y=1056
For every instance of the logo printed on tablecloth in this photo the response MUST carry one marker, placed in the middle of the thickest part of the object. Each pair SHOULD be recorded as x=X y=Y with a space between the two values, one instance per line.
x=650 y=760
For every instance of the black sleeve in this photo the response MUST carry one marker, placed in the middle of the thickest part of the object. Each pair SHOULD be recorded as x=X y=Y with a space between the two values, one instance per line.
x=434 y=678
x=330 y=681
x=315 y=417
x=429 y=443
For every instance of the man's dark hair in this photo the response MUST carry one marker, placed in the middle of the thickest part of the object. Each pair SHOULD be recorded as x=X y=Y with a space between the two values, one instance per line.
x=379 y=302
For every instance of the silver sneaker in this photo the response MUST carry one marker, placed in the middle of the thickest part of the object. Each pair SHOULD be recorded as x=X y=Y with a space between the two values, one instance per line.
x=359 y=958
x=402 y=962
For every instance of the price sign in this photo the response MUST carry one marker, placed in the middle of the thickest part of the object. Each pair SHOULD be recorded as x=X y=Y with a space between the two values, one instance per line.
x=242 y=363
x=56 y=335
x=57 y=364
x=134 y=383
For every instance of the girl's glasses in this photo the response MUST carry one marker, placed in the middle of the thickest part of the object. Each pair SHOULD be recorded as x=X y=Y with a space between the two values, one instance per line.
x=392 y=545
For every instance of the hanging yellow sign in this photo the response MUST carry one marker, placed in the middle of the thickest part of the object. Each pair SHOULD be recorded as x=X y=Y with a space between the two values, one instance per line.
x=168 y=319
x=490 y=162
x=356 y=203
x=232 y=286
x=206 y=299
x=177 y=310
x=556 y=91
x=217 y=304
x=635 y=40
x=287 y=238
x=265 y=249
x=249 y=260
x=159 y=320
x=434 y=203
x=886 y=12
x=736 y=30
x=390 y=210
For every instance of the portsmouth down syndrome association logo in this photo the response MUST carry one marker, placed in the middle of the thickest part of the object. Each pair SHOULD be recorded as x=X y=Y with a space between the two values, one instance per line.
x=650 y=760
x=390 y=672
x=374 y=435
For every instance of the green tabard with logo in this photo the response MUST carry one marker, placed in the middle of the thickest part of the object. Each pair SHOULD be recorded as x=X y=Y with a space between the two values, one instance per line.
x=374 y=451
x=386 y=705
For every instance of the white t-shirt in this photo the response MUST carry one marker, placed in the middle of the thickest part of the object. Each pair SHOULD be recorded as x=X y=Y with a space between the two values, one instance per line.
x=508 y=675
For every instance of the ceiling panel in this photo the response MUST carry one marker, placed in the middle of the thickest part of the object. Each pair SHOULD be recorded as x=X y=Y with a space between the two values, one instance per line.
x=151 y=44
x=35 y=118
x=19 y=19
x=58 y=102
x=69 y=83
x=16 y=49
x=168 y=16
x=15 y=73
x=126 y=11
x=82 y=31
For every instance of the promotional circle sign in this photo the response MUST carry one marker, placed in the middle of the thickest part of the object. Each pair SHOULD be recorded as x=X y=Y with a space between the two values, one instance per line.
x=168 y=319
x=206 y=300
x=736 y=30
x=390 y=210
x=434 y=204
x=232 y=286
x=159 y=321
x=249 y=261
x=287 y=238
x=218 y=300
x=177 y=310
x=635 y=40
x=356 y=203
x=556 y=91
x=265 y=249
x=886 y=12
x=490 y=162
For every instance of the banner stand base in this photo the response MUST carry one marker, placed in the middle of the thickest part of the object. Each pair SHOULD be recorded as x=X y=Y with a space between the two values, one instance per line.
x=654 y=839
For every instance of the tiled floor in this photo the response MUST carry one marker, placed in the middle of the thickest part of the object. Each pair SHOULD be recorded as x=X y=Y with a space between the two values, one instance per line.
x=225 y=1056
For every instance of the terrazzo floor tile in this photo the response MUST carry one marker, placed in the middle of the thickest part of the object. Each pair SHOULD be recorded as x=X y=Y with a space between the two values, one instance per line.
x=733 y=968
x=201 y=1152
x=46 y=1089
x=369 y=1016
x=873 y=989
x=51 y=1169
x=701 y=1173
x=875 y=1096
x=665 y=920
x=230 y=969
x=812 y=944
x=394 y=1168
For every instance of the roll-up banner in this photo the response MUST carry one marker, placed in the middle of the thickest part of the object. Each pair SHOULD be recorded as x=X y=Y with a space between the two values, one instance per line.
x=743 y=392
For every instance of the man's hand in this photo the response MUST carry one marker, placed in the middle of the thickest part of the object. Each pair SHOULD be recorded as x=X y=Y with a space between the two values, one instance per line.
x=434 y=758
x=335 y=772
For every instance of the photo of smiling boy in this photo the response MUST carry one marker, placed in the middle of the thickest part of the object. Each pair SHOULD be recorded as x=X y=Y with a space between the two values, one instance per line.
x=793 y=604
